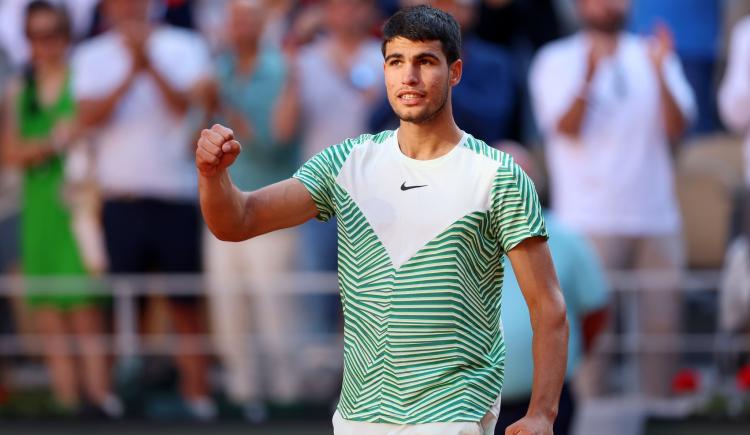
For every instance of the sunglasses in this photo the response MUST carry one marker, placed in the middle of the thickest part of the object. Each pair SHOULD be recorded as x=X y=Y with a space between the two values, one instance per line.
x=46 y=35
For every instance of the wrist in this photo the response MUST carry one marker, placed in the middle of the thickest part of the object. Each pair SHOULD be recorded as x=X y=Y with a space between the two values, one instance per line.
x=545 y=414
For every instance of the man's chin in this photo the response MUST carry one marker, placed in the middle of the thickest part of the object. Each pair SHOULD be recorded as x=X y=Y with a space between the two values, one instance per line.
x=414 y=118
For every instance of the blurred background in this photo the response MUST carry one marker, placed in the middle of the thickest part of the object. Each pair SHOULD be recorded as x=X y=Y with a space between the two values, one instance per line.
x=120 y=312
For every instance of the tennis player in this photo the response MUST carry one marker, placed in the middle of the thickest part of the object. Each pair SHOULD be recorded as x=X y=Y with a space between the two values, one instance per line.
x=425 y=215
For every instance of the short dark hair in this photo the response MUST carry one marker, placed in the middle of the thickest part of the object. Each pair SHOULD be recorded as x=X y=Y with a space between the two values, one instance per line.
x=37 y=6
x=425 y=23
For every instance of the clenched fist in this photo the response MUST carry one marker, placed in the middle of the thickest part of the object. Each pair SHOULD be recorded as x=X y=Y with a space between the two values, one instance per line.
x=216 y=150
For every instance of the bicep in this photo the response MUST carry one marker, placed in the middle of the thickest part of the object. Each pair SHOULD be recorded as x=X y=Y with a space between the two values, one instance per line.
x=281 y=205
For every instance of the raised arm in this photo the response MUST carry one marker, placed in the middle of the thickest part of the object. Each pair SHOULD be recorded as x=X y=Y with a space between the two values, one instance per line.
x=571 y=121
x=94 y=112
x=662 y=47
x=233 y=215
x=532 y=265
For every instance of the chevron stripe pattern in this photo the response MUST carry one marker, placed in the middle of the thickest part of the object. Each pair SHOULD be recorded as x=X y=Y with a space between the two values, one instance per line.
x=423 y=343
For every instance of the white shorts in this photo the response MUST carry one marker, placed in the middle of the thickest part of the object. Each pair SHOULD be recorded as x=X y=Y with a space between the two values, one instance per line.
x=486 y=426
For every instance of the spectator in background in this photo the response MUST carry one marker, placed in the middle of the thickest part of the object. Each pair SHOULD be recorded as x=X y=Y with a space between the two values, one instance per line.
x=734 y=98
x=250 y=78
x=484 y=101
x=38 y=125
x=585 y=289
x=609 y=104
x=332 y=87
x=12 y=38
x=697 y=28
x=134 y=87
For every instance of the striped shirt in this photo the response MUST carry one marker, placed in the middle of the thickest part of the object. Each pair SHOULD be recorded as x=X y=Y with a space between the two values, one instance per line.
x=421 y=246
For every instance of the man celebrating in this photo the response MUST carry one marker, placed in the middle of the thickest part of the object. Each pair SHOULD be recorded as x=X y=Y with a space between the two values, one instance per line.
x=426 y=214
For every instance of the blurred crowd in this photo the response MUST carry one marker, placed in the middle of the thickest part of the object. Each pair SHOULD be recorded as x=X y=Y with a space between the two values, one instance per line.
x=103 y=100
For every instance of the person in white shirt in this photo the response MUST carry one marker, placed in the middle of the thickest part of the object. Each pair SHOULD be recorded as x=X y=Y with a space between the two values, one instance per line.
x=734 y=96
x=609 y=104
x=134 y=87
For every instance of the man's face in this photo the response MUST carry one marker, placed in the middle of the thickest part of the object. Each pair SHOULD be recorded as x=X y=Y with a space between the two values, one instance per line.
x=418 y=79
x=604 y=15
x=245 y=19
x=126 y=11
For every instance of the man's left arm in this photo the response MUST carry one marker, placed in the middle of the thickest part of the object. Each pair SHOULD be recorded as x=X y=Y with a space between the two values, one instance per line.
x=675 y=94
x=532 y=265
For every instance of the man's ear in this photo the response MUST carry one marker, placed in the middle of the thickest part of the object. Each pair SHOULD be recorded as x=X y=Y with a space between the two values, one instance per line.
x=455 y=70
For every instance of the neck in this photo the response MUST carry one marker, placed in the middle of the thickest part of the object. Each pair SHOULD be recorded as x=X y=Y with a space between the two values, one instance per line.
x=247 y=52
x=431 y=139
x=603 y=35
x=49 y=69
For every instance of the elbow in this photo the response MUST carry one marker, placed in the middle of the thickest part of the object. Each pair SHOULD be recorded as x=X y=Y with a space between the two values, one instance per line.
x=676 y=130
x=226 y=236
x=556 y=314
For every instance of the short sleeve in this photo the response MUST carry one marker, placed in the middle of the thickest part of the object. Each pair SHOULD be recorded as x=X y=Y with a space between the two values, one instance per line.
x=187 y=48
x=515 y=209
x=680 y=88
x=317 y=176
x=86 y=74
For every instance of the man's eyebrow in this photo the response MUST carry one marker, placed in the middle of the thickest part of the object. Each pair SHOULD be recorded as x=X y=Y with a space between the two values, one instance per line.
x=423 y=55
x=427 y=54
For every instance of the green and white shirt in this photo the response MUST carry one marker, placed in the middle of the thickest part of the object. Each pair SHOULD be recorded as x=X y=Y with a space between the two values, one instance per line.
x=421 y=245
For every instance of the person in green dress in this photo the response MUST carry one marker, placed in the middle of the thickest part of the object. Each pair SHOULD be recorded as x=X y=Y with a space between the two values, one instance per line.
x=39 y=123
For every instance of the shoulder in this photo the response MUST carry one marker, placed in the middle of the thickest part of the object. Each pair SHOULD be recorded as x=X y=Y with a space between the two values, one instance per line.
x=487 y=154
x=176 y=35
x=95 y=48
x=634 y=41
x=345 y=148
x=168 y=37
x=741 y=30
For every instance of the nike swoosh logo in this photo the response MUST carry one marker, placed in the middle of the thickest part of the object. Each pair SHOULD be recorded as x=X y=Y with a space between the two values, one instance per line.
x=405 y=187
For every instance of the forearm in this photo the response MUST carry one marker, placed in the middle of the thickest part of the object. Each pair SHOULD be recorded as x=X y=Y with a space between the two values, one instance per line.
x=27 y=153
x=224 y=207
x=177 y=101
x=94 y=113
x=571 y=123
x=674 y=121
x=550 y=348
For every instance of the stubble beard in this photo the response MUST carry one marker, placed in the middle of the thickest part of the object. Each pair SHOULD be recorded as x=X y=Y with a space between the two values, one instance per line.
x=426 y=117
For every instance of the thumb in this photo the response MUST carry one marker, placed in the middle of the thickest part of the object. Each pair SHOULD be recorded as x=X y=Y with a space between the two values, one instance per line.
x=232 y=147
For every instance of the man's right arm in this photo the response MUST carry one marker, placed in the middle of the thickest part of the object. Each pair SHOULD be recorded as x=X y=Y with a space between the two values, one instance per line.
x=571 y=122
x=93 y=112
x=233 y=215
